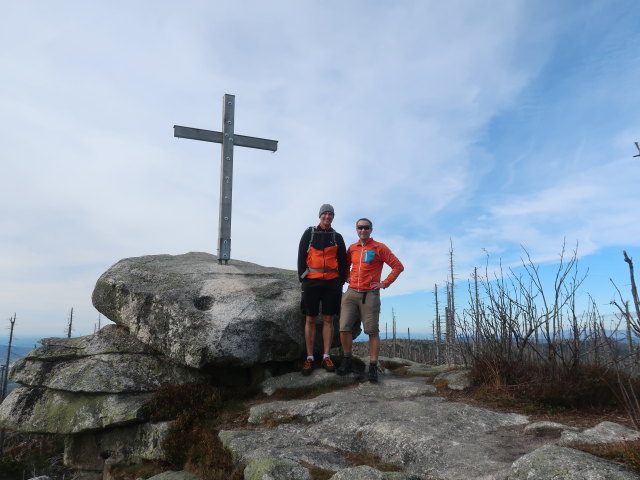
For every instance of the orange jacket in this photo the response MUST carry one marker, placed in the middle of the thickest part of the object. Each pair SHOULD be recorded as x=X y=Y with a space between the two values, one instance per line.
x=366 y=262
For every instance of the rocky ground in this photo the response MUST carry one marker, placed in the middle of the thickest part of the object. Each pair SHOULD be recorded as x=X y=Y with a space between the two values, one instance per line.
x=187 y=319
x=403 y=422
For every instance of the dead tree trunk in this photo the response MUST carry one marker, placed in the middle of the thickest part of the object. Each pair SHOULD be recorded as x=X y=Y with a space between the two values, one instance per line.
x=5 y=376
x=476 y=345
x=393 y=317
x=70 y=324
x=438 y=333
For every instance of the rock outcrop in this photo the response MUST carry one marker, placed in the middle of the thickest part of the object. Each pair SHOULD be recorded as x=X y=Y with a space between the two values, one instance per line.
x=605 y=432
x=75 y=385
x=401 y=422
x=397 y=420
x=94 y=390
x=551 y=462
x=186 y=319
x=201 y=313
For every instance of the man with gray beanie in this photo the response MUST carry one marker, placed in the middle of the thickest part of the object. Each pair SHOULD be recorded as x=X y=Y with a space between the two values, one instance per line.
x=322 y=270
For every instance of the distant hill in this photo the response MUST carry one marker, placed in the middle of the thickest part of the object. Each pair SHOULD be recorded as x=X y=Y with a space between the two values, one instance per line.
x=16 y=352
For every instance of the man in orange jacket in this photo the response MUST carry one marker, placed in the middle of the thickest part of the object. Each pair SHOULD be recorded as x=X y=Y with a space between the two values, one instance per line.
x=322 y=270
x=365 y=259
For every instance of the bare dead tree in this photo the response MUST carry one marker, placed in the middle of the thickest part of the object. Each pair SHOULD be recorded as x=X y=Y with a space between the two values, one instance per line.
x=70 y=324
x=437 y=333
x=448 y=329
x=477 y=336
x=452 y=307
x=634 y=293
x=631 y=324
x=393 y=317
x=5 y=376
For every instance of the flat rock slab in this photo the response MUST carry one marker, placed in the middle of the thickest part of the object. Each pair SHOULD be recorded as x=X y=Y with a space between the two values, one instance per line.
x=295 y=381
x=551 y=462
x=395 y=420
x=547 y=429
x=109 y=339
x=455 y=379
x=181 y=475
x=105 y=373
x=407 y=368
x=109 y=361
x=274 y=468
x=605 y=432
x=364 y=472
x=201 y=313
x=38 y=410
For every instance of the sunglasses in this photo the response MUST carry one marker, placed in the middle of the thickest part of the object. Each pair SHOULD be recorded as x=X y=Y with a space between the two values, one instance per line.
x=363 y=227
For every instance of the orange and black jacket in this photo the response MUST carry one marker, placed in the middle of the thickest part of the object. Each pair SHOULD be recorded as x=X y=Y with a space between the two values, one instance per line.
x=322 y=257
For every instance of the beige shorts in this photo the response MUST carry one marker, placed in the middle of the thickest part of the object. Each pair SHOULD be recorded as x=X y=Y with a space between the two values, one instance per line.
x=363 y=305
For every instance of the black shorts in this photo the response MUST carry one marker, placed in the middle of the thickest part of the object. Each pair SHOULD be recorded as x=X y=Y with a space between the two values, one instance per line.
x=330 y=297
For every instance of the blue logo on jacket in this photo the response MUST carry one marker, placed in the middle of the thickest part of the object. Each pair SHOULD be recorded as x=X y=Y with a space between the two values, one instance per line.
x=369 y=256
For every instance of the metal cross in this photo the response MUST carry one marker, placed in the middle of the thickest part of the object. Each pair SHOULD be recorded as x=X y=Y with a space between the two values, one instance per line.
x=228 y=140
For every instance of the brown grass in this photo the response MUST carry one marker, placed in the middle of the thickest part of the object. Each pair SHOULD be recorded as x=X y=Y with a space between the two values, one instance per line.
x=623 y=452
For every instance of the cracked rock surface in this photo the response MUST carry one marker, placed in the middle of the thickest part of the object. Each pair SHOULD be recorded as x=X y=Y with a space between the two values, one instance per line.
x=400 y=421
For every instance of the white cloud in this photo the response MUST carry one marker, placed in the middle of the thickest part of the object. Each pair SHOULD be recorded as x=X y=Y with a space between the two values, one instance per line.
x=383 y=110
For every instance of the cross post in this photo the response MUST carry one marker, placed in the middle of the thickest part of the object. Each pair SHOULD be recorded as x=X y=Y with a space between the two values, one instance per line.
x=228 y=139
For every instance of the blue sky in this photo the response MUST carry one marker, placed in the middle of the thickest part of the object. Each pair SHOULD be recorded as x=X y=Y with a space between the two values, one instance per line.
x=494 y=125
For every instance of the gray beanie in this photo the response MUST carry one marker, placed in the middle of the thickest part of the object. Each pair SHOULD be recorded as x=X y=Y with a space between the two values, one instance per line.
x=326 y=208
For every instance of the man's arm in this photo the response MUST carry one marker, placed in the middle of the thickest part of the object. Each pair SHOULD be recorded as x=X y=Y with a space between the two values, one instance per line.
x=343 y=265
x=302 y=252
x=396 y=266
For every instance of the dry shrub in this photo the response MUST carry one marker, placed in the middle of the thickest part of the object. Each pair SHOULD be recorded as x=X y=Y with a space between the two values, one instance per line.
x=192 y=440
x=536 y=384
x=27 y=455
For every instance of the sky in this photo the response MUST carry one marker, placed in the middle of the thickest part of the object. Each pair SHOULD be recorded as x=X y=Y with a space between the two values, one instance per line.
x=499 y=128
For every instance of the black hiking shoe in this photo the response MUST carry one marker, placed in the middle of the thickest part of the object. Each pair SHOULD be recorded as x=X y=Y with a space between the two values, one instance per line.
x=345 y=366
x=307 y=368
x=328 y=365
x=373 y=373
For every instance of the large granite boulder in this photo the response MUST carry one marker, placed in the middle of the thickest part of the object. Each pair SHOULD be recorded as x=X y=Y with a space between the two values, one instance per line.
x=201 y=313
x=75 y=385
x=94 y=390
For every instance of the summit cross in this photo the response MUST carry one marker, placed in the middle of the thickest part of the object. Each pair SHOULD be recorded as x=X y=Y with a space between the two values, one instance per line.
x=228 y=139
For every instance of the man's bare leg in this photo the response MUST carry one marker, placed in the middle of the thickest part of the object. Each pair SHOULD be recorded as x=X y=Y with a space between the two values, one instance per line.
x=310 y=334
x=327 y=333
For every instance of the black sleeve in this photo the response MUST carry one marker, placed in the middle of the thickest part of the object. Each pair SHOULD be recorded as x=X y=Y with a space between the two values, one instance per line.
x=302 y=252
x=343 y=266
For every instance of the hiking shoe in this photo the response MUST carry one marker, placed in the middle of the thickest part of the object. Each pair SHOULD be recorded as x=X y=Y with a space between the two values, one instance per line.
x=328 y=365
x=345 y=366
x=307 y=367
x=373 y=373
